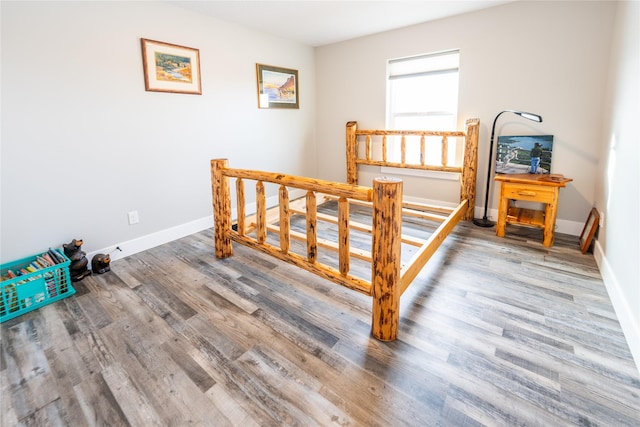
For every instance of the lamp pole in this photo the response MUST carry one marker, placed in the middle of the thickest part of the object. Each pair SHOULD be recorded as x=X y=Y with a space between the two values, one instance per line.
x=484 y=221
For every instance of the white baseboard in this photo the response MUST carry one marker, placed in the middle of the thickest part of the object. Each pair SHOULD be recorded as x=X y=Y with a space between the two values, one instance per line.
x=158 y=238
x=152 y=240
x=628 y=321
x=572 y=228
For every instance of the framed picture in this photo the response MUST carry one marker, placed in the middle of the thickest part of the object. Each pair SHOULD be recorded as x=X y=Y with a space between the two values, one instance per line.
x=277 y=87
x=589 y=230
x=524 y=154
x=170 y=68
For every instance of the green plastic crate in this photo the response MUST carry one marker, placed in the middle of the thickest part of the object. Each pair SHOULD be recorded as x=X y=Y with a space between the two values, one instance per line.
x=28 y=292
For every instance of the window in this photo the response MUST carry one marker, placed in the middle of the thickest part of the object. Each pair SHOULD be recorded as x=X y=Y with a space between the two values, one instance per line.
x=422 y=93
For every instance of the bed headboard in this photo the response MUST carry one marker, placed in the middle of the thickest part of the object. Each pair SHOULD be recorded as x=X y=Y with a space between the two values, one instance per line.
x=375 y=141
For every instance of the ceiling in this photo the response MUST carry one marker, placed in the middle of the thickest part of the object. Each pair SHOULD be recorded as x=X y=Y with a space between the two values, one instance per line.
x=318 y=23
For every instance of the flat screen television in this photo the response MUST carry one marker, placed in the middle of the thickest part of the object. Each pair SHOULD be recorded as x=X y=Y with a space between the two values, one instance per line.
x=524 y=154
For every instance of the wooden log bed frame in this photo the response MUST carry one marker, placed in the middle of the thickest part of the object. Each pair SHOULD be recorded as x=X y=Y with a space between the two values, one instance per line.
x=389 y=278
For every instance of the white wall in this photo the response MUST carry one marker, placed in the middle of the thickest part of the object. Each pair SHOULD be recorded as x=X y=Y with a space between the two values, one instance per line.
x=83 y=143
x=618 y=195
x=548 y=58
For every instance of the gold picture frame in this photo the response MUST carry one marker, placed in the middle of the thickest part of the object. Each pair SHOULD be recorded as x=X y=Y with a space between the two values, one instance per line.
x=277 y=87
x=170 y=68
x=589 y=230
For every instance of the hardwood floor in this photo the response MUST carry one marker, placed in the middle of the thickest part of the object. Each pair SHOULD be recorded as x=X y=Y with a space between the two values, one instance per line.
x=493 y=332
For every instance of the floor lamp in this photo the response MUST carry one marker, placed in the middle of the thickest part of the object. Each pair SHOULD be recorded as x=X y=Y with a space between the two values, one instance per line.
x=484 y=221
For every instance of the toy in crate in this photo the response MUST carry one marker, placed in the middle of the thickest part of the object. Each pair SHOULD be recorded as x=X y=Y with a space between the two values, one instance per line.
x=33 y=282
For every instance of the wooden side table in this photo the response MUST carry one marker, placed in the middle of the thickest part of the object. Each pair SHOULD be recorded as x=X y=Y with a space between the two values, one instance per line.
x=532 y=188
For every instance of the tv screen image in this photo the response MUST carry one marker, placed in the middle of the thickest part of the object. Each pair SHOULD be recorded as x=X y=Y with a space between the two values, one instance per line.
x=524 y=154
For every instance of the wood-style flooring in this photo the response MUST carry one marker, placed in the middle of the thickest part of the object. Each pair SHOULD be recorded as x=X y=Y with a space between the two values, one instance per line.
x=494 y=331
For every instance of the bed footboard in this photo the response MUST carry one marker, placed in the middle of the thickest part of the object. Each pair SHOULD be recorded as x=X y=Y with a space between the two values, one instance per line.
x=386 y=196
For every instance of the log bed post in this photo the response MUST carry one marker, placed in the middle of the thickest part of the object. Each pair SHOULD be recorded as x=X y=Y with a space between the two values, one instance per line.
x=385 y=257
x=221 y=198
x=352 y=153
x=468 y=176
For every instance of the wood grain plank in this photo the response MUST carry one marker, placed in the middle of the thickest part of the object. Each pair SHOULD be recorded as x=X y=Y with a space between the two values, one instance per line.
x=98 y=402
x=29 y=375
x=175 y=349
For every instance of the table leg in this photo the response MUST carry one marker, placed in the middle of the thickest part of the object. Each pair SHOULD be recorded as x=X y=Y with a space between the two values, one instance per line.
x=503 y=208
x=550 y=212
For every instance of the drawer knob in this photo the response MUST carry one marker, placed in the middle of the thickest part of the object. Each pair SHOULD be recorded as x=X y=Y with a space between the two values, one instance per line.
x=526 y=193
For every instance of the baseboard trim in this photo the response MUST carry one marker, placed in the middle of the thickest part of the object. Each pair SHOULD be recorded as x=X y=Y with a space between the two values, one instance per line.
x=624 y=312
x=572 y=228
x=142 y=243
x=152 y=240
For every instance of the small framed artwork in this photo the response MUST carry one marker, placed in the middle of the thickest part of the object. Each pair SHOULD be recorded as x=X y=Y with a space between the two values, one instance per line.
x=170 y=68
x=524 y=154
x=277 y=87
x=589 y=230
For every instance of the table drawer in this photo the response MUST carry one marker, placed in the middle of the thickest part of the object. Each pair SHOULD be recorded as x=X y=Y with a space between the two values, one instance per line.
x=531 y=193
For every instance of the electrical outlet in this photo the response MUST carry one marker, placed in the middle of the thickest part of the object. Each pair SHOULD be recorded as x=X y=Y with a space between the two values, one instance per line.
x=133 y=217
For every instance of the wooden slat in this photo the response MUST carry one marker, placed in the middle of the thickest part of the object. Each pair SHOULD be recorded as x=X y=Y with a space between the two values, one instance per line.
x=343 y=235
x=312 y=226
x=261 y=212
x=367 y=148
x=445 y=151
x=426 y=207
x=384 y=148
x=425 y=215
x=240 y=206
x=284 y=219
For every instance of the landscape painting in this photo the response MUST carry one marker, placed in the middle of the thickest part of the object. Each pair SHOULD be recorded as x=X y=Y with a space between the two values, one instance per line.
x=277 y=87
x=170 y=68
x=524 y=154
x=173 y=68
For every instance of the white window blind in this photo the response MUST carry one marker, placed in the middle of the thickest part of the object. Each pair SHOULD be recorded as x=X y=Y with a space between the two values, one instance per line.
x=422 y=93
